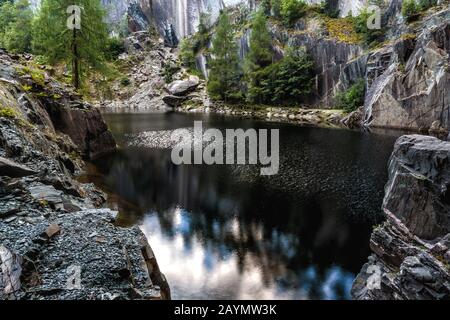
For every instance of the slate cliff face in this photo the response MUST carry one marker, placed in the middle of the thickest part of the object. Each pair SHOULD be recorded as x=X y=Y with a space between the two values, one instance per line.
x=50 y=223
x=410 y=88
x=411 y=257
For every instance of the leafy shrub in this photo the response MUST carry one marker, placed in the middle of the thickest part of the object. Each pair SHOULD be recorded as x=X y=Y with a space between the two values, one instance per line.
x=292 y=10
x=426 y=4
x=190 y=47
x=187 y=53
x=370 y=36
x=114 y=48
x=410 y=9
x=284 y=82
x=7 y=112
x=351 y=99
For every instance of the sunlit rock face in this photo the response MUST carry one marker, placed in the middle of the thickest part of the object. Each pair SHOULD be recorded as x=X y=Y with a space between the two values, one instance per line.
x=408 y=82
x=184 y=15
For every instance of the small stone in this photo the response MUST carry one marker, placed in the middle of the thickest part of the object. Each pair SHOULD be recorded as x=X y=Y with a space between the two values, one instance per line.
x=101 y=239
x=10 y=219
x=52 y=230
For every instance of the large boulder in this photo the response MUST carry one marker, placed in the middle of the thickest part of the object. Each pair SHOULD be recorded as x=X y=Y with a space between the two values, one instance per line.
x=183 y=87
x=411 y=250
x=418 y=191
x=85 y=126
x=174 y=101
x=13 y=169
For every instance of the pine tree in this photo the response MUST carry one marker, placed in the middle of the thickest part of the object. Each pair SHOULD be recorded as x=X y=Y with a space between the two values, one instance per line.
x=81 y=48
x=259 y=56
x=15 y=25
x=224 y=77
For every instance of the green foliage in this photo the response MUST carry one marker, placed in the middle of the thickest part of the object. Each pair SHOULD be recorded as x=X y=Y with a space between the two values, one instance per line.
x=266 y=7
x=83 y=49
x=410 y=9
x=7 y=112
x=168 y=71
x=370 y=36
x=187 y=53
x=190 y=47
x=36 y=75
x=351 y=99
x=15 y=25
x=203 y=37
x=225 y=74
x=276 y=8
x=125 y=81
x=286 y=81
x=260 y=54
x=114 y=48
x=292 y=10
x=426 y=4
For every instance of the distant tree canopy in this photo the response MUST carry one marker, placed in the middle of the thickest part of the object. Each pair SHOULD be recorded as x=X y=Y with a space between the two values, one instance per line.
x=265 y=81
x=15 y=25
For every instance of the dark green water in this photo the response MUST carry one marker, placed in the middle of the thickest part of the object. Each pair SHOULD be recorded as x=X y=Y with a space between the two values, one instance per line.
x=223 y=232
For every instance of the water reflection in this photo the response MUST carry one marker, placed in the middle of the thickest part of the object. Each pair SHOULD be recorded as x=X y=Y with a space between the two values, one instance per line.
x=208 y=270
x=227 y=233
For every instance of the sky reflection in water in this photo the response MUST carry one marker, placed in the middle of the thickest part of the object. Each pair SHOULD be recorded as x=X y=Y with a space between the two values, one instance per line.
x=218 y=272
x=222 y=232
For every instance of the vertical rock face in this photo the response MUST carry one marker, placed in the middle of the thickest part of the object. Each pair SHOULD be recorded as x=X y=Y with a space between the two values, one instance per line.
x=335 y=62
x=412 y=249
x=184 y=15
x=408 y=82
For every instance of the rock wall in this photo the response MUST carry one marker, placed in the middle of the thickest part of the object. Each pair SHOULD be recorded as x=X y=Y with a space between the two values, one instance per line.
x=411 y=257
x=408 y=81
x=54 y=242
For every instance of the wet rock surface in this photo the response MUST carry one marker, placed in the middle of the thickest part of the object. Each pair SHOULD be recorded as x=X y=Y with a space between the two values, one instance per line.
x=54 y=241
x=411 y=248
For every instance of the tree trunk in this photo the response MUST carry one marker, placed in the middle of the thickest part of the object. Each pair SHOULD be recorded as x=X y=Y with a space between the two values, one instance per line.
x=75 y=62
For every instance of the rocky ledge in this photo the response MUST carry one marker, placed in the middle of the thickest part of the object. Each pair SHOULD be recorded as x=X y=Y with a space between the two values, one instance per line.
x=411 y=250
x=54 y=241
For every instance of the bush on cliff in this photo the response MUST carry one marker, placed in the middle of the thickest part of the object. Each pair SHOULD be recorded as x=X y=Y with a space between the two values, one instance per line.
x=287 y=81
x=370 y=36
x=410 y=9
x=292 y=10
x=351 y=99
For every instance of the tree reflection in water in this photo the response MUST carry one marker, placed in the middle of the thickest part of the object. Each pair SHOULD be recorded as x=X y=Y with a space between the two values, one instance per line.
x=226 y=232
